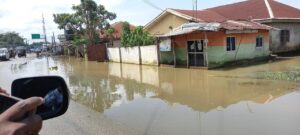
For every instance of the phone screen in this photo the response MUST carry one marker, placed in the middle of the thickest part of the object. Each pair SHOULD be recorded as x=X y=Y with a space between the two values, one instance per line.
x=6 y=102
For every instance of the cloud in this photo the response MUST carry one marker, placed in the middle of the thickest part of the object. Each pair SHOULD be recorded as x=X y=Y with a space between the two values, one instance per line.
x=25 y=16
x=109 y=4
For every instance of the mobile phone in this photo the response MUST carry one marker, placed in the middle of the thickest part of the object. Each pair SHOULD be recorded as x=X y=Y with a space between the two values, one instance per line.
x=7 y=101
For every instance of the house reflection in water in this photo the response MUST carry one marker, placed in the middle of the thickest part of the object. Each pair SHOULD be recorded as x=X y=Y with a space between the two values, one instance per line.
x=155 y=100
x=199 y=89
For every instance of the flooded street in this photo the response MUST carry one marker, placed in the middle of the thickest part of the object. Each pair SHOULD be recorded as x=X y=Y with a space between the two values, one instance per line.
x=161 y=100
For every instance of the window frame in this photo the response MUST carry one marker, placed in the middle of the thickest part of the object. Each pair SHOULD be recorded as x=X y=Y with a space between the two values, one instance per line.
x=285 y=36
x=230 y=44
x=200 y=42
x=259 y=41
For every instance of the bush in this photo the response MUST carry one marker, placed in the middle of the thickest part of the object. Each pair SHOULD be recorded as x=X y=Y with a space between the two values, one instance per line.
x=138 y=37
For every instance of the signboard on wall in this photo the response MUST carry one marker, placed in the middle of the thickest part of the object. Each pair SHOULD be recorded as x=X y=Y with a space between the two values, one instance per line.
x=165 y=45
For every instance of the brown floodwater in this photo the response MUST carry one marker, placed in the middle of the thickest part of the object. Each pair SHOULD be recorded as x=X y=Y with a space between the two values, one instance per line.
x=163 y=100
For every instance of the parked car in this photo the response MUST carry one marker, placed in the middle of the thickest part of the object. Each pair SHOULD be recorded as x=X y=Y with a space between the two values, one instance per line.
x=4 y=54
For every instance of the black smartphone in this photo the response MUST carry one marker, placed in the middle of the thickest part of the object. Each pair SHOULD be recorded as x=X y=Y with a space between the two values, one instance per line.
x=7 y=101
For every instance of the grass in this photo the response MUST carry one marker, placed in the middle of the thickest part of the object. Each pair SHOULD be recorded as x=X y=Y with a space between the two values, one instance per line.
x=292 y=74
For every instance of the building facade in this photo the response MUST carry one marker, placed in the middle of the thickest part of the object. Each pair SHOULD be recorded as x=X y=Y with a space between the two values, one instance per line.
x=281 y=16
x=215 y=48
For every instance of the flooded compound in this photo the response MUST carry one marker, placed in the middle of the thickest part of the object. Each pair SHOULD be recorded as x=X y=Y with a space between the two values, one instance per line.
x=255 y=100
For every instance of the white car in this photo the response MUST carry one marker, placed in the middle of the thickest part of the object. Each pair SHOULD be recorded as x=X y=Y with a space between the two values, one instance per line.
x=4 y=54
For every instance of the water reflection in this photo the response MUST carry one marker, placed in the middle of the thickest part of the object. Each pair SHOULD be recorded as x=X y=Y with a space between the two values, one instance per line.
x=102 y=85
x=181 y=101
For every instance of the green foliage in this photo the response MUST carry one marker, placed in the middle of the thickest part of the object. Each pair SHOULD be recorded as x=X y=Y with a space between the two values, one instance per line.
x=110 y=31
x=79 y=41
x=125 y=34
x=87 y=20
x=11 y=39
x=138 y=37
x=63 y=19
x=292 y=74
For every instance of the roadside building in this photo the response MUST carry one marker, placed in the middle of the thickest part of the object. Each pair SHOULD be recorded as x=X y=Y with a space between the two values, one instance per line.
x=269 y=12
x=213 y=45
x=115 y=38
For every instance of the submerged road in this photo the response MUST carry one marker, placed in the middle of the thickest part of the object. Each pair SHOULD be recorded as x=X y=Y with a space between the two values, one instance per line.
x=124 y=99
x=78 y=120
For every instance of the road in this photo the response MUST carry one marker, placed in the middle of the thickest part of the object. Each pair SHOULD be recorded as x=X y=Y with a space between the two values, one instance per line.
x=114 y=99
x=78 y=120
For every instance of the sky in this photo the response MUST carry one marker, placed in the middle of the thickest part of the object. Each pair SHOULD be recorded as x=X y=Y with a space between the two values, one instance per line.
x=25 y=16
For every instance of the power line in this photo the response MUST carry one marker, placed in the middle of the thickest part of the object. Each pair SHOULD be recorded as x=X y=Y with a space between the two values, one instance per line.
x=152 y=5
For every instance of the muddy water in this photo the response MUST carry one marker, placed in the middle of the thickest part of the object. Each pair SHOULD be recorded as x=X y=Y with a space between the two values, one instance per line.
x=154 y=100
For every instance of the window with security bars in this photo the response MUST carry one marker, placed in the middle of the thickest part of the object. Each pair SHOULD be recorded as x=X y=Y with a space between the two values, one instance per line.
x=284 y=36
x=230 y=43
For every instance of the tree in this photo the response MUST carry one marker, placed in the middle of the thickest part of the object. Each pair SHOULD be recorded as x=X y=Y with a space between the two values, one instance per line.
x=125 y=34
x=11 y=39
x=138 y=37
x=110 y=31
x=86 y=21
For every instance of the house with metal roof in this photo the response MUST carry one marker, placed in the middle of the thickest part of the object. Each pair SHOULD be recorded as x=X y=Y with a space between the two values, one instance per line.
x=212 y=45
x=270 y=12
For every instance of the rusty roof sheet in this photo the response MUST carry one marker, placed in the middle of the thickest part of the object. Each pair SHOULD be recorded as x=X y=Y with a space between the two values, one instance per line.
x=227 y=25
x=244 y=25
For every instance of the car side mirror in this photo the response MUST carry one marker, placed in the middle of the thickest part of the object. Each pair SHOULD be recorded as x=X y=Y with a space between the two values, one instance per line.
x=52 y=88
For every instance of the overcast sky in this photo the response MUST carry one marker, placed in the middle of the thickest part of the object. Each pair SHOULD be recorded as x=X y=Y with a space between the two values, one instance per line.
x=25 y=16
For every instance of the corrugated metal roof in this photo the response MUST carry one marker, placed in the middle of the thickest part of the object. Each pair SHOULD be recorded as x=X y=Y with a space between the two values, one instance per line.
x=227 y=25
x=244 y=25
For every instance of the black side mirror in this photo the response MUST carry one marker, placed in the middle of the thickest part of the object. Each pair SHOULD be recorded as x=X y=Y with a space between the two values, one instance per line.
x=52 y=88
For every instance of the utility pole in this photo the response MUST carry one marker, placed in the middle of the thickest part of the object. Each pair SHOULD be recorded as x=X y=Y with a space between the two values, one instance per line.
x=44 y=29
x=53 y=46
x=54 y=43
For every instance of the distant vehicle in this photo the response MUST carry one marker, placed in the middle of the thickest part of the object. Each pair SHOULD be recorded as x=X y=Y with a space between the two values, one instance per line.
x=38 y=50
x=4 y=54
x=21 y=51
x=32 y=50
x=12 y=53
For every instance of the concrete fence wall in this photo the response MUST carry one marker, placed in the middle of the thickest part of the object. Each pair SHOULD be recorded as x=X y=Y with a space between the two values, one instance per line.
x=113 y=54
x=149 y=55
x=131 y=55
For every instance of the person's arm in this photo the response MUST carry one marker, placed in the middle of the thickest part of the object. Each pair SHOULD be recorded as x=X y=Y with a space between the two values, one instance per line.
x=20 y=119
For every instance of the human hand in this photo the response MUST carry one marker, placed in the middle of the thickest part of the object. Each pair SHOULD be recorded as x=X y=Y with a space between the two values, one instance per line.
x=3 y=91
x=20 y=119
